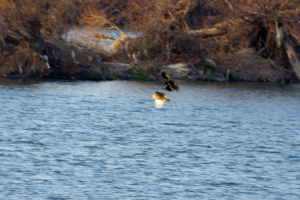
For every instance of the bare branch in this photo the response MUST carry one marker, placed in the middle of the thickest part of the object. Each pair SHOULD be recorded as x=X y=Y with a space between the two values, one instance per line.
x=230 y=6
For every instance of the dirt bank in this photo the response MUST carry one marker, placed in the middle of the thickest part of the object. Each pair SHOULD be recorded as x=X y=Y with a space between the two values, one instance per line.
x=203 y=40
x=38 y=58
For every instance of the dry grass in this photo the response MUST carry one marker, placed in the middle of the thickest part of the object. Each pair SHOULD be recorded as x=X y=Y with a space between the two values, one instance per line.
x=160 y=24
x=30 y=20
x=255 y=28
x=52 y=14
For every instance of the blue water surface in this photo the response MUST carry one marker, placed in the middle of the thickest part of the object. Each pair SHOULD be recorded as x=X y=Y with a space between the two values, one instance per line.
x=106 y=140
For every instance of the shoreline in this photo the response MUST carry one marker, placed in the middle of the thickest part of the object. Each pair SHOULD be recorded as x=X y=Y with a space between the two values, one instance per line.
x=112 y=71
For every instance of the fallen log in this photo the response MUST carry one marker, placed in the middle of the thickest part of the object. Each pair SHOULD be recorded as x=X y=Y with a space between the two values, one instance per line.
x=209 y=32
x=218 y=29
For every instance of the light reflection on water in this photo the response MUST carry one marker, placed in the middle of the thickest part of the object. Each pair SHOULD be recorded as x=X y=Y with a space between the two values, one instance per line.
x=106 y=140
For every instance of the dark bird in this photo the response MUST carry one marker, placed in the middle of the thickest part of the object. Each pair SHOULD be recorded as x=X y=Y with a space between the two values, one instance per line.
x=160 y=99
x=164 y=75
x=171 y=86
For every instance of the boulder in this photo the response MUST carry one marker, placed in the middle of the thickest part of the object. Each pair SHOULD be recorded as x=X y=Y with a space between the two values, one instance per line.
x=115 y=70
x=177 y=71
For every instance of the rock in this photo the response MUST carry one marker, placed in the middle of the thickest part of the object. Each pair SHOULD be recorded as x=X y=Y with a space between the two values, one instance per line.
x=177 y=71
x=184 y=71
x=246 y=65
x=115 y=69
x=91 y=74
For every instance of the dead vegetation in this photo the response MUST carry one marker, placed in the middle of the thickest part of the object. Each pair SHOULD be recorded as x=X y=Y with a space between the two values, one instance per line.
x=259 y=35
x=255 y=40
x=246 y=40
x=32 y=44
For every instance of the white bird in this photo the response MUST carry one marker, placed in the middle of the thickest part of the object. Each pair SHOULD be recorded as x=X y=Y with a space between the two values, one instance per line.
x=160 y=99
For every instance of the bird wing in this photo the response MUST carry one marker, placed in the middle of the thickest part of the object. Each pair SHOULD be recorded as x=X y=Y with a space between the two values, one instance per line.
x=169 y=88
x=167 y=99
x=159 y=103
x=176 y=87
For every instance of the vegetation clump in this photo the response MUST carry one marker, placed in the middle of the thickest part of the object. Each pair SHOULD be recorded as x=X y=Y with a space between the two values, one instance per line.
x=139 y=76
x=32 y=40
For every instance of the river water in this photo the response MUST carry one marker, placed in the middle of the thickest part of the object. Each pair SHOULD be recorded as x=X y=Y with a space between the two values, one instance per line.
x=106 y=140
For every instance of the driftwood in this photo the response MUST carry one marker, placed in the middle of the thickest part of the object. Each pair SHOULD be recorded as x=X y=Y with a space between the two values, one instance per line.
x=209 y=32
x=218 y=29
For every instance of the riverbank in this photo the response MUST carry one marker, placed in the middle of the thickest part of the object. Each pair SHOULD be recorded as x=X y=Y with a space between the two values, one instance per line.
x=207 y=42
x=64 y=60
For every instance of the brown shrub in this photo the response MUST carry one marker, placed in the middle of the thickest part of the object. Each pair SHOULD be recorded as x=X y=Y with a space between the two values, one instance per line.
x=246 y=65
x=159 y=23
x=255 y=27
x=50 y=18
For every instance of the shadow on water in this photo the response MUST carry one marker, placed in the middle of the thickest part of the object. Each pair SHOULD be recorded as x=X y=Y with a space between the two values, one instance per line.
x=20 y=81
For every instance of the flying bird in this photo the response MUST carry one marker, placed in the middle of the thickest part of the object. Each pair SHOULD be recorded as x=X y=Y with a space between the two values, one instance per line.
x=164 y=75
x=160 y=99
x=171 y=85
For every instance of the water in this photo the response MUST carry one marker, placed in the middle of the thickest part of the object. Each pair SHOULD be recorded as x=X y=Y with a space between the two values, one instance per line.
x=106 y=140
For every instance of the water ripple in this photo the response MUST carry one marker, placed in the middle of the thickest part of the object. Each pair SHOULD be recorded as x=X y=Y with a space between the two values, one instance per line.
x=106 y=140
